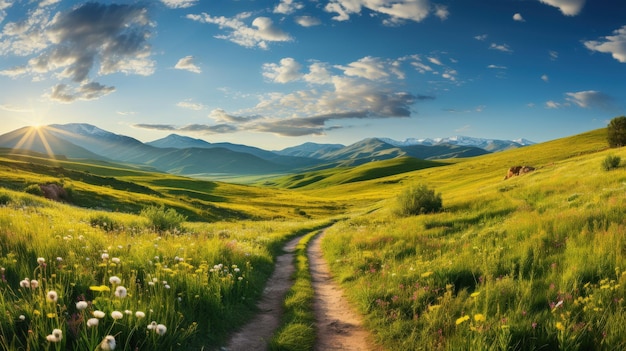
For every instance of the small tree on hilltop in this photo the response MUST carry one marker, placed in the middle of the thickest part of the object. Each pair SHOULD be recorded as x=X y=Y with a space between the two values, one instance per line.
x=418 y=200
x=616 y=131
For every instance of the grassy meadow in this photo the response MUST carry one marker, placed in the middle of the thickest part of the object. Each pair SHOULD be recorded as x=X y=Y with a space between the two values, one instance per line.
x=534 y=262
x=134 y=259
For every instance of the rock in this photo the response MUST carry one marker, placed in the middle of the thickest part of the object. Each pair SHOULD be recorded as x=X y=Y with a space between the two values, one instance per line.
x=518 y=170
x=54 y=192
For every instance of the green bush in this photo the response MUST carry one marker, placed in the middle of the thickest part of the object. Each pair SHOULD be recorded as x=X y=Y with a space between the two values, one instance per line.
x=418 y=200
x=105 y=222
x=34 y=189
x=611 y=162
x=162 y=219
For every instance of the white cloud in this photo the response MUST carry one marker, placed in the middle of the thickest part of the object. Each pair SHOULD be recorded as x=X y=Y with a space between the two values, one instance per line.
x=496 y=67
x=518 y=17
x=308 y=21
x=319 y=73
x=613 y=44
x=552 y=104
x=435 y=61
x=90 y=91
x=72 y=44
x=398 y=11
x=287 y=7
x=481 y=37
x=553 y=55
x=442 y=12
x=286 y=71
x=545 y=78
x=179 y=4
x=258 y=34
x=13 y=108
x=567 y=7
x=368 y=67
x=187 y=63
x=189 y=105
x=591 y=99
x=500 y=47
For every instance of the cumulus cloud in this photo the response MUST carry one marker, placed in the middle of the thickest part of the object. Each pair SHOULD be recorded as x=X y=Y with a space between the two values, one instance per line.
x=371 y=68
x=286 y=71
x=613 y=44
x=73 y=44
x=222 y=116
x=518 y=17
x=545 y=78
x=287 y=7
x=496 y=67
x=552 y=104
x=442 y=12
x=261 y=32
x=398 y=11
x=481 y=37
x=567 y=7
x=179 y=4
x=187 y=63
x=308 y=21
x=500 y=47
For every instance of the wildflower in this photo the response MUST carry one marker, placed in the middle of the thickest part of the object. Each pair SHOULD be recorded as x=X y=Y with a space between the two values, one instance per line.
x=140 y=314
x=462 y=319
x=116 y=315
x=115 y=280
x=108 y=343
x=99 y=314
x=534 y=325
x=56 y=336
x=166 y=286
x=152 y=325
x=120 y=292
x=52 y=296
x=81 y=305
x=475 y=294
x=41 y=261
x=426 y=274
x=25 y=283
x=115 y=260
x=36 y=313
x=59 y=259
x=34 y=284
x=105 y=256
x=128 y=312
x=479 y=317
x=160 y=329
x=99 y=288
x=560 y=326
x=92 y=322
x=22 y=317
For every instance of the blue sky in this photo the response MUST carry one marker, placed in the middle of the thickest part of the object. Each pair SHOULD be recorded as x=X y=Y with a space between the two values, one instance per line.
x=278 y=73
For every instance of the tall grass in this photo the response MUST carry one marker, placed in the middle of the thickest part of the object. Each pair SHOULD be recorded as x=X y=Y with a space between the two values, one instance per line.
x=72 y=277
x=535 y=262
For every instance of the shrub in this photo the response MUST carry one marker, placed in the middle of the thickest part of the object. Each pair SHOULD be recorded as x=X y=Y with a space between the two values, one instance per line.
x=616 y=132
x=611 y=162
x=418 y=200
x=34 y=189
x=105 y=222
x=162 y=219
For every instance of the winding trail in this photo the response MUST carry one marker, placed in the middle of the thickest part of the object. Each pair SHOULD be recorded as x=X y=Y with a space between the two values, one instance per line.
x=256 y=334
x=338 y=326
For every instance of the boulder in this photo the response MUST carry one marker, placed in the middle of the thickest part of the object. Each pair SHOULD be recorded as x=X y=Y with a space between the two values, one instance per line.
x=518 y=170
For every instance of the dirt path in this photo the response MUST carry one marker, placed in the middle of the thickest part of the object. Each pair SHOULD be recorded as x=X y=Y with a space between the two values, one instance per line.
x=338 y=326
x=256 y=334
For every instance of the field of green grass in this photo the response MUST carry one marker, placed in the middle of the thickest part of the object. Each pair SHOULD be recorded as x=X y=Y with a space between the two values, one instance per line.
x=534 y=262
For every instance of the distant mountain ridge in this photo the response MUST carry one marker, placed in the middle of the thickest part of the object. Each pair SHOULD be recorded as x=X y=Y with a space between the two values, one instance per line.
x=185 y=155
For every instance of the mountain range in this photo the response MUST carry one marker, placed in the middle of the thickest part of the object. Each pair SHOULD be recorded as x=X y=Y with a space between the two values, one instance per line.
x=188 y=156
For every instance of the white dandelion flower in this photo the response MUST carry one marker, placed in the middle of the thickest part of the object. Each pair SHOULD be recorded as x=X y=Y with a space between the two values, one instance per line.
x=92 y=322
x=115 y=280
x=108 y=343
x=121 y=292
x=81 y=305
x=99 y=314
x=116 y=315
x=52 y=296
x=140 y=314
x=160 y=329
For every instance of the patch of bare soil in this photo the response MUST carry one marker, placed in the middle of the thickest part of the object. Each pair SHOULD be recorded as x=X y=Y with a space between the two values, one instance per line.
x=338 y=326
x=256 y=334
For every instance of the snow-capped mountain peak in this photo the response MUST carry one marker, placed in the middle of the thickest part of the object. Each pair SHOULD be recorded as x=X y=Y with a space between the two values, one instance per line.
x=487 y=144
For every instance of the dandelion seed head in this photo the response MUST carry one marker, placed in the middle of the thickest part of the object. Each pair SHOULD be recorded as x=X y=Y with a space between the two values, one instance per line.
x=140 y=314
x=115 y=280
x=128 y=312
x=22 y=317
x=108 y=343
x=41 y=261
x=161 y=329
x=34 y=284
x=152 y=325
x=116 y=315
x=81 y=305
x=116 y=260
x=105 y=256
x=99 y=314
x=52 y=296
x=121 y=292
x=92 y=322
x=25 y=283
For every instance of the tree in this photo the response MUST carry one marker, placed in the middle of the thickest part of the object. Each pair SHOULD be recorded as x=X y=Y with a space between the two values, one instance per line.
x=617 y=132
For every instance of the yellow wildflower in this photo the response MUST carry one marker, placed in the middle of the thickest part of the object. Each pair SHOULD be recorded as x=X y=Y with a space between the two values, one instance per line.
x=99 y=288
x=560 y=326
x=426 y=274
x=479 y=317
x=475 y=294
x=462 y=319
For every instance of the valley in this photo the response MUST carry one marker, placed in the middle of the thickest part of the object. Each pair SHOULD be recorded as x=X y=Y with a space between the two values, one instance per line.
x=535 y=261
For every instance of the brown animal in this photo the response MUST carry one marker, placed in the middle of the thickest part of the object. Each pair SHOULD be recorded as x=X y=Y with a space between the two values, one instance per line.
x=518 y=170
